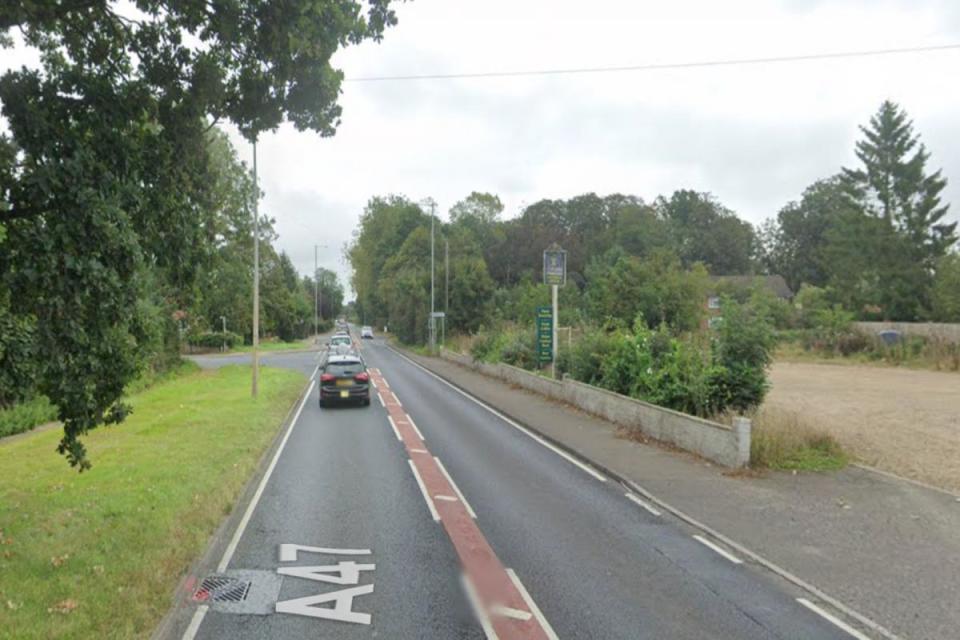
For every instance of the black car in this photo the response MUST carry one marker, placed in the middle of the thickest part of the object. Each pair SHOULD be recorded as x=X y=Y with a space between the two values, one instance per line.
x=344 y=378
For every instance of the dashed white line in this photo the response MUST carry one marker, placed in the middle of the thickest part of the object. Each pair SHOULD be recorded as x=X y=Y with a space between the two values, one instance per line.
x=393 y=426
x=560 y=452
x=547 y=629
x=642 y=503
x=423 y=490
x=839 y=623
x=478 y=611
x=466 y=504
x=723 y=552
x=380 y=398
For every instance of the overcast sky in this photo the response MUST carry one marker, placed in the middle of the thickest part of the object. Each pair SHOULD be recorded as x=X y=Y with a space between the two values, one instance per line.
x=754 y=136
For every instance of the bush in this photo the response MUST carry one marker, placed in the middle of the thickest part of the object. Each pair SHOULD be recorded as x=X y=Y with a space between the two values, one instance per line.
x=214 y=339
x=26 y=415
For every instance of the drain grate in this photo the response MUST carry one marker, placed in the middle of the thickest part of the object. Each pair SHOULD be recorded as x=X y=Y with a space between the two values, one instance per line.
x=222 y=589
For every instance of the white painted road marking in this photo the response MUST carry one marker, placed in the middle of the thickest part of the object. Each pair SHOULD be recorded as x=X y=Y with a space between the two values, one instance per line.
x=547 y=629
x=560 y=452
x=723 y=552
x=232 y=547
x=419 y=451
x=445 y=498
x=477 y=609
x=466 y=504
x=201 y=611
x=423 y=490
x=414 y=425
x=839 y=623
x=380 y=398
x=288 y=552
x=393 y=425
x=643 y=504
x=342 y=610
x=510 y=612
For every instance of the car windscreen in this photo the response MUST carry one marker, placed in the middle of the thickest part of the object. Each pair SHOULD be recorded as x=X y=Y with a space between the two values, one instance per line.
x=341 y=369
x=340 y=340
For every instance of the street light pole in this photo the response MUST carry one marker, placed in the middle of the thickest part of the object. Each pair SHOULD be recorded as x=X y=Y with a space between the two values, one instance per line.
x=446 y=289
x=256 y=273
x=316 y=295
x=433 y=319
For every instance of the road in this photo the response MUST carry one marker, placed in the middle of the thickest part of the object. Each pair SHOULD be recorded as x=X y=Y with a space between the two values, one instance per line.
x=555 y=549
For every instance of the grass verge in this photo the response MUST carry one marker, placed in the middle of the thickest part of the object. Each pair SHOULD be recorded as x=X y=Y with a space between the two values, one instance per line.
x=98 y=554
x=306 y=343
x=784 y=440
x=26 y=415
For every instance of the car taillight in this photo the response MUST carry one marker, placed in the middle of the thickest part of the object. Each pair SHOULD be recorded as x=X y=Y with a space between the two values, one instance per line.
x=361 y=377
x=328 y=377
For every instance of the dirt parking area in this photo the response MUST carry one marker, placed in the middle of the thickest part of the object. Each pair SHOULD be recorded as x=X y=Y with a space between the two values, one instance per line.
x=901 y=420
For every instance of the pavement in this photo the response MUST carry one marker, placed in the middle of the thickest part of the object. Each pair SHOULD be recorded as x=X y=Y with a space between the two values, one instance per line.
x=884 y=546
x=430 y=515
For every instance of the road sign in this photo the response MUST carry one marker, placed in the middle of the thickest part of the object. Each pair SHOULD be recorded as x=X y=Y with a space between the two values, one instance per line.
x=544 y=335
x=555 y=266
x=438 y=314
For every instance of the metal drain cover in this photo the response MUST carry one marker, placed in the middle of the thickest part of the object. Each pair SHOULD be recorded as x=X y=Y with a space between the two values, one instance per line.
x=222 y=589
x=240 y=591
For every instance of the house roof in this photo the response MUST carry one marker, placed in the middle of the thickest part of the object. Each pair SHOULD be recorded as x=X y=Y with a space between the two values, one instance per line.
x=775 y=283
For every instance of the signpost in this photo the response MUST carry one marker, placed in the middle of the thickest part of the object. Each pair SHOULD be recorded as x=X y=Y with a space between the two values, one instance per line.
x=555 y=275
x=544 y=335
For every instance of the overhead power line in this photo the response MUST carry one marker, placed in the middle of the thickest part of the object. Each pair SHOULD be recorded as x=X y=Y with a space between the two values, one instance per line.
x=732 y=62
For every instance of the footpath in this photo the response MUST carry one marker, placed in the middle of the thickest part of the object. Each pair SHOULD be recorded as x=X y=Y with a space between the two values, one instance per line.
x=884 y=547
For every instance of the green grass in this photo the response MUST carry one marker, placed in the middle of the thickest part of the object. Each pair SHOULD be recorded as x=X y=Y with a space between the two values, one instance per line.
x=98 y=554
x=785 y=441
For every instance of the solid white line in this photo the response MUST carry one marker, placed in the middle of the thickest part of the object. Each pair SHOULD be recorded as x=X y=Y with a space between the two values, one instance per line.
x=414 y=425
x=723 y=552
x=456 y=488
x=560 y=452
x=547 y=629
x=393 y=425
x=313 y=375
x=232 y=547
x=643 y=504
x=477 y=608
x=423 y=490
x=380 y=398
x=840 y=623
x=195 y=621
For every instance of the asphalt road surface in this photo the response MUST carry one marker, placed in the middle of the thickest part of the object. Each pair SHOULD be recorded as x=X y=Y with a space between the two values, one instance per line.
x=427 y=515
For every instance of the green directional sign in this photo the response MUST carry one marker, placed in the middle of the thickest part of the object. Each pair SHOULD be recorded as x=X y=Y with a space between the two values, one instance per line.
x=544 y=334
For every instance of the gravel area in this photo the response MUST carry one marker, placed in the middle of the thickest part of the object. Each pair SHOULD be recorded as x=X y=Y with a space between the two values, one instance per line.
x=901 y=420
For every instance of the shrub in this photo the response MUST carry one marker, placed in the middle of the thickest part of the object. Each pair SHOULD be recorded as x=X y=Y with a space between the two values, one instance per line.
x=214 y=339
x=26 y=415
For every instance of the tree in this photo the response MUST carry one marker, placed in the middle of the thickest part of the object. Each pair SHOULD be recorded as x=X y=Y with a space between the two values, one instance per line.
x=893 y=184
x=796 y=241
x=946 y=289
x=104 y=177
x=705 y=231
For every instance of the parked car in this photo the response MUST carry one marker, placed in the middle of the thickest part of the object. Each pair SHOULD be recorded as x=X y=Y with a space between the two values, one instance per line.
x=344 y=379
x=366 y=333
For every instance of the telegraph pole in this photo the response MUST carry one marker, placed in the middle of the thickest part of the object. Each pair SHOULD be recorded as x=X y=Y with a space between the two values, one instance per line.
x=256 y=272
x=446 y=289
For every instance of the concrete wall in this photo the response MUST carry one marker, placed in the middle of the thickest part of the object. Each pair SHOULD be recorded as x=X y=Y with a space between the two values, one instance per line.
x=942 y=331
x=729 y=446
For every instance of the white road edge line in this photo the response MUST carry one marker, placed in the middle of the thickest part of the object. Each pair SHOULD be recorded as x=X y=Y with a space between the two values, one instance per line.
x=201 y=611
x=423 y=490
x=455 y=488
x=560 y=452
x=723 y=552
x=393 y=425
x=195 y=621
x=839 y=623
x=477 y=609
x=547 y=629
x=643 y=504
x=414 y=425
x=313 y=375
x=232 y=547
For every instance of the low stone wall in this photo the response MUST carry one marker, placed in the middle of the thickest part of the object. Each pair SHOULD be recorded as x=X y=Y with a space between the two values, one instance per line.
x=729 y=446
x=938 y=330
